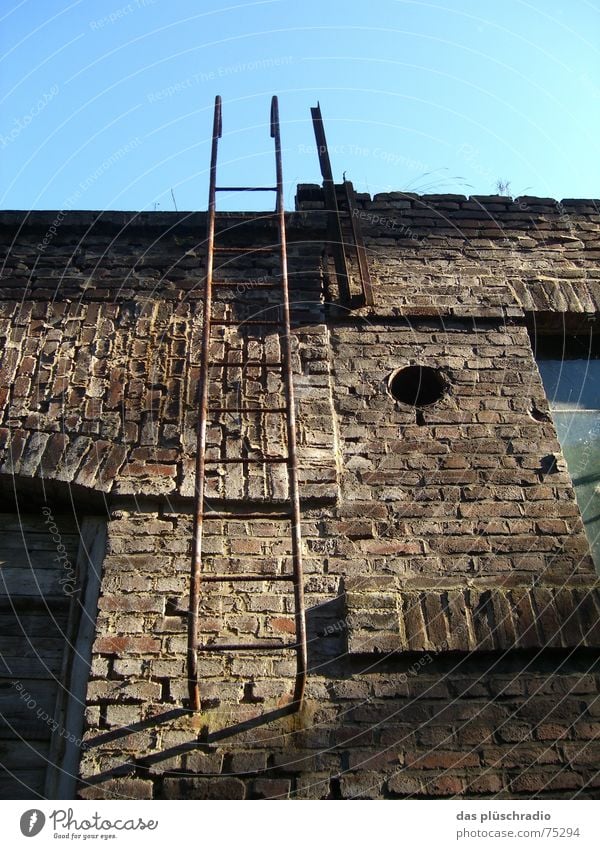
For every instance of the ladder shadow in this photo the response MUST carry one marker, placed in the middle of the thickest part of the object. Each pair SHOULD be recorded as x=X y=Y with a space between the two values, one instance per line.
x=250 y=724
x=322 y=652
x=142 y=725
x=142 y=764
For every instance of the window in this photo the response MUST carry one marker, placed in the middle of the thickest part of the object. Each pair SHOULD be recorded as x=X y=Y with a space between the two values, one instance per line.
x=570 y=372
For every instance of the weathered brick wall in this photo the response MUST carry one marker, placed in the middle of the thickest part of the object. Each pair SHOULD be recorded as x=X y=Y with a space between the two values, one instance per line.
x=415 y=723
x=100 y=332
x=480 y=256
x=451 y=600
x=473 y=498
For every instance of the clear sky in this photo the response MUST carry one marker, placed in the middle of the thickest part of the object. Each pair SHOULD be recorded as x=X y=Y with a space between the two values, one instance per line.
x=108 y=104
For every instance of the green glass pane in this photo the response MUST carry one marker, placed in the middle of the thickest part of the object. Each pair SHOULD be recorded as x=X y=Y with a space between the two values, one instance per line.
x=579 y=435
x=571 y=383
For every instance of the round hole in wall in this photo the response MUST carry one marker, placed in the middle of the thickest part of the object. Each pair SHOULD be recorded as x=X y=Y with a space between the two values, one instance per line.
x=419 y=386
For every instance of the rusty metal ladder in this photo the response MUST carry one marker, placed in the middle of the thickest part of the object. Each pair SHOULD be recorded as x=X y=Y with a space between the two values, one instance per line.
x=201 y=509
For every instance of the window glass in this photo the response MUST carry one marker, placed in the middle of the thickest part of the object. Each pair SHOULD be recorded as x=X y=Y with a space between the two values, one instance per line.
x=573 y=390
x=572 y=384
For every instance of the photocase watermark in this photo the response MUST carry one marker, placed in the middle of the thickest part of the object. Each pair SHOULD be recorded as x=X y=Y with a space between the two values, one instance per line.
x=108 y=163
x=222 y=71
x=122 y=12
x=583 y=458
x=390 y=157
x=23 y=122
x=472 y=156
x=336 y=628
x=68 y=578
x=375 y=218
x=96 y=822
x=253 y=283
x=32 y=822
x=84 y=185
x=31 y=704
x=341 y=625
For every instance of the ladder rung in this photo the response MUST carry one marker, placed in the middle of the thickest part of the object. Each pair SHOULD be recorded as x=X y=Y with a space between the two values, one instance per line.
x=229 y=322
x=264 y=410
x=260 y=516
x=244 y=217
x=248 y=286
x=247 y=364
x=259 y=460
x=252 y=577
x=270 y=646
x=245 y=188
x=247 y=249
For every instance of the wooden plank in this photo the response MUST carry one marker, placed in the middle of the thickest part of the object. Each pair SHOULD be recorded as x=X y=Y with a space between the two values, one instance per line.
x=42 y=606
x=42 y=692
x=14 y=541
x=22 y=582
x=22 y=784
x=32 y=524
x=21 y=755
x=20 y=645
x=13 y=668
x=37 y=559
x=37 y=623
x=43 y=537
x=24 y=727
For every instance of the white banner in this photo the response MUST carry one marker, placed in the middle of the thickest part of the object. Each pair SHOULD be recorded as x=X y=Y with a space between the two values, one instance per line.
x=198 y=824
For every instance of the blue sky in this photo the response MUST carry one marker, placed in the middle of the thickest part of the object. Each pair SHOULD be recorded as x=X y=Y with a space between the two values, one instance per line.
x=108 y=105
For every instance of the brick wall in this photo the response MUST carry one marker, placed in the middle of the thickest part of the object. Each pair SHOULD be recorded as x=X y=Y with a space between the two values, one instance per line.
x=101 y=338
x=480 y=256
x=452 y=605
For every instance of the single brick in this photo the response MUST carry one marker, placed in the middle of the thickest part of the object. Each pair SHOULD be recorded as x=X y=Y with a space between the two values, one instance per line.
x=203 y=788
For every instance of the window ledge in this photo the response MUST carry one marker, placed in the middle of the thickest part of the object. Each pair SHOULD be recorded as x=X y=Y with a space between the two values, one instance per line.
x=382 y=617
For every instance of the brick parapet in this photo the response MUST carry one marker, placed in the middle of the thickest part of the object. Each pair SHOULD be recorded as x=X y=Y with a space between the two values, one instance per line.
x=478 y=256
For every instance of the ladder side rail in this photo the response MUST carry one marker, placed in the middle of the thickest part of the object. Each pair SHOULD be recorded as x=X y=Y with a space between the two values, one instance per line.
x=292 y=465
x=199 y=485
x=359 y=244
x=333 y=211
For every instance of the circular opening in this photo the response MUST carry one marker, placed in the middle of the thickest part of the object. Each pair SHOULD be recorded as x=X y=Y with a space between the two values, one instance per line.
x=419 y=386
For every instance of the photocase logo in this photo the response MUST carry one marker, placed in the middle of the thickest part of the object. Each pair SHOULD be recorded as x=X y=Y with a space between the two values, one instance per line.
x=32 y=822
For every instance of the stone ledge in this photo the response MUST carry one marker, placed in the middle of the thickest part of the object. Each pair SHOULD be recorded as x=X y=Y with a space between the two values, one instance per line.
x=382 y=617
